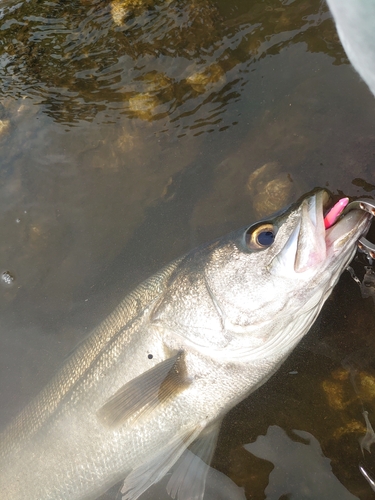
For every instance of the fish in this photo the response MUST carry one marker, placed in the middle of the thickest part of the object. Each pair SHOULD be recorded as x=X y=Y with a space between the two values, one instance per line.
x=145 y=393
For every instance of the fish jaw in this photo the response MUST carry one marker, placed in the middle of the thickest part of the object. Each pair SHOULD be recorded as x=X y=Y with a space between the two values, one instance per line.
x=306 y=246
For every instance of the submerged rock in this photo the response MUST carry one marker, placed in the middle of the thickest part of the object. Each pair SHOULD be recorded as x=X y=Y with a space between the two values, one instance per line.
x=270 y=188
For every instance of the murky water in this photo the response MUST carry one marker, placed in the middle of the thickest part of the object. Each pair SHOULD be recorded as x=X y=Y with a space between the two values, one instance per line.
x=130 y=132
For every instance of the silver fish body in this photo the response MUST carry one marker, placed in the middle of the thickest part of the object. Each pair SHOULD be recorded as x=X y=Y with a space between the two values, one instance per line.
x=187 y=345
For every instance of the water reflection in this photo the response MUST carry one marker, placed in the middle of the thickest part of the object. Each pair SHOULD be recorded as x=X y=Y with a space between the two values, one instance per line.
x=297 y=464
x=131 y=132
x=185 y=61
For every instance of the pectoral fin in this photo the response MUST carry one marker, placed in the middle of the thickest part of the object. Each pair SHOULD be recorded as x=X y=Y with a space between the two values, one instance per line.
x=146 y=391
x=141 y=478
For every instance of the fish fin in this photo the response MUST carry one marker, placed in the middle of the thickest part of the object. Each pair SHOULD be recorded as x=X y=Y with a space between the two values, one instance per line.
x=150 y=472
x=145 y=392
x=188 y=478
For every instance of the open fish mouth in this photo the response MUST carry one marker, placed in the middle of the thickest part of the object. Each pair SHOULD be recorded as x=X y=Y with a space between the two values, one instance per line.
x=322 y=232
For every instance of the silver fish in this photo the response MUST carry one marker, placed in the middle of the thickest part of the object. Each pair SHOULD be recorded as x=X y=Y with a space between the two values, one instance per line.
x=159 y=374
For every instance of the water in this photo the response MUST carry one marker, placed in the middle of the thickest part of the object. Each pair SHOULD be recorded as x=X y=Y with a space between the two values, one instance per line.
x=133 y=131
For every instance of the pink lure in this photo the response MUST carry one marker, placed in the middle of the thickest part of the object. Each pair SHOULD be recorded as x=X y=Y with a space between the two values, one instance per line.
x=335 y=212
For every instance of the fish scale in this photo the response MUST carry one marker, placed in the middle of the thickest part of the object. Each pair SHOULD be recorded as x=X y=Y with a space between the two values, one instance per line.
x=38 y=411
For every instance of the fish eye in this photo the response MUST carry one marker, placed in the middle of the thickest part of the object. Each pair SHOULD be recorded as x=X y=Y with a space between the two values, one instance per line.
x=260 y=237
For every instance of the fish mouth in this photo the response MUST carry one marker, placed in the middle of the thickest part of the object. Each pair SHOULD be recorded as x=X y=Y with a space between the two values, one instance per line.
x=315 y=245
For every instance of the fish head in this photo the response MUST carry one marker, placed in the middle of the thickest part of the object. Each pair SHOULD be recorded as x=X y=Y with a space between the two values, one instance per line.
x=270 y=280
x=257 y=291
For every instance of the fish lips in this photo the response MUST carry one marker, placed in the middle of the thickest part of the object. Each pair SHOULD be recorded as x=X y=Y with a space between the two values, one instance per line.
x=310 y=245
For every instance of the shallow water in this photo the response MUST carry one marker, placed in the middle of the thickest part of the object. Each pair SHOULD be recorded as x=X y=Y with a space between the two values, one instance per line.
x=133 y=131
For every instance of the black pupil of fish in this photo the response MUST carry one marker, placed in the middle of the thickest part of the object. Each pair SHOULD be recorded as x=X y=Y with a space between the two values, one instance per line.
x=266 y=238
